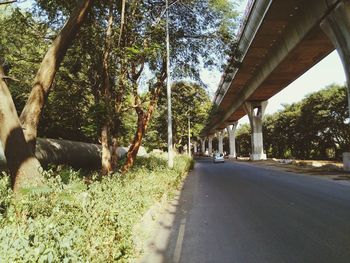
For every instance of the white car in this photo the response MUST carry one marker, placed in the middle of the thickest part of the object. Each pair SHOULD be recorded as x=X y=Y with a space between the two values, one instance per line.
x=218 y=158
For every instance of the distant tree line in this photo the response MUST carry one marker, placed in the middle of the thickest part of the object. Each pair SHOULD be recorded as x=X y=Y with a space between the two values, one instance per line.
x=315 y=128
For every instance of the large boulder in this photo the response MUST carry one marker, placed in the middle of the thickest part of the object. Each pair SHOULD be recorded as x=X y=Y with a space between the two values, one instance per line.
x=122 y=151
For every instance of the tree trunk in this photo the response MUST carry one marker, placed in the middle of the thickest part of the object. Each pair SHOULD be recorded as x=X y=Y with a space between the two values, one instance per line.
x=136 y=143
x=106 y=165
x=142 y=124
x=142 y=117
x=24 y=167
x=114 y=154
x=44 y=78
x=122 y=19
x=106 y=129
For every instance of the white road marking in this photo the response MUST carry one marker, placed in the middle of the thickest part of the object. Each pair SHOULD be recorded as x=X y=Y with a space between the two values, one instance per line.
x=179 y=241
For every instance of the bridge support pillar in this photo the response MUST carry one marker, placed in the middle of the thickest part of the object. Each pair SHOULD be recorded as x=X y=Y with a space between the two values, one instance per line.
x=210 y=145
x=231 y=130
x=203 y=146
x=255 y=111
x=221 y=141
x=336 y=25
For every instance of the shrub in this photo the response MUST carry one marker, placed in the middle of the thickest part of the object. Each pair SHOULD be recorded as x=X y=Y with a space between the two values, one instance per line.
x=70 y=220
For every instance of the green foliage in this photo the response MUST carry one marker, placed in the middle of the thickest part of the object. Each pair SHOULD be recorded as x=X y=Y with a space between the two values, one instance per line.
x=243 y=141
x=76 y=219
x=280 y=134
x=201 y=32
x=325 y=124
x=20 y=51
x=188 y=100
x=315 y=128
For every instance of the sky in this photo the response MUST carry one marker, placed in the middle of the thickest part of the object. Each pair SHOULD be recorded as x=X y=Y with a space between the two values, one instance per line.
x=326 y=72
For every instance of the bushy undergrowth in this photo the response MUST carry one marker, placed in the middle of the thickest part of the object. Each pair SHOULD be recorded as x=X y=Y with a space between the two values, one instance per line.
x=70 y=220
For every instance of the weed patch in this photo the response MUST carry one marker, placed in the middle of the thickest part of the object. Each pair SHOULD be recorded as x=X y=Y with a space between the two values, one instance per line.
x=69 y=220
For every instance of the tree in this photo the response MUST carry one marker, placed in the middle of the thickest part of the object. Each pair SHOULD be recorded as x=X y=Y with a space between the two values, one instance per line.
x=107 y=166
x=188 y=100
x=99 y=81
x=323 y=122
x=243 y=140
x=199 y=30
x=44 y=78
x=315 y=128
x=23 y=165
x=280 y=134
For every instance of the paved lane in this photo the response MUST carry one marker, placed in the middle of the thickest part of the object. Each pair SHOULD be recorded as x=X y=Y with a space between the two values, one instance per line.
x=239 y=212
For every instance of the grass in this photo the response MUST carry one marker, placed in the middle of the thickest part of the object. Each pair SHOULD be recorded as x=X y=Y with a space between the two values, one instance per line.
x=73 y=219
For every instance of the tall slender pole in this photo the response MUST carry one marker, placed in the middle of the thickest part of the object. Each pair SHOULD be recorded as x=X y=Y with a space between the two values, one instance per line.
x=189 y=136
x=170 y=129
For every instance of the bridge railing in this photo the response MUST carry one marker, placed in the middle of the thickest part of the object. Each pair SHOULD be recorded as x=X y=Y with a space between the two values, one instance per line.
x=245 y=18
x=240 y=31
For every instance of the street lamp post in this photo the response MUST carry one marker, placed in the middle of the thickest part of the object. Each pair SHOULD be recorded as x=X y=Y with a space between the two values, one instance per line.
x=189 y=135
x=170 y=130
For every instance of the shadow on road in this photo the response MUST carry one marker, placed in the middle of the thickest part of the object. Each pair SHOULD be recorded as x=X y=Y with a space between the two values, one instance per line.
x=166 y=245
x=244 y=212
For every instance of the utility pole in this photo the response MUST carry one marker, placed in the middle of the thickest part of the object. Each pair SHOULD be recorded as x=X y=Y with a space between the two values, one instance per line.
x=170 y=129
x=189 y=135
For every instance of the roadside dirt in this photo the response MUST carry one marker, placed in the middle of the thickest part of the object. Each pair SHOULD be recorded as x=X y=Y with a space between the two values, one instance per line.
x=333 y=170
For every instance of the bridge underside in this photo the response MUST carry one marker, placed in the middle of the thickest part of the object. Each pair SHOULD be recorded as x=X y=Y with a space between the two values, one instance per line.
x=307 y=54
x=288 y=43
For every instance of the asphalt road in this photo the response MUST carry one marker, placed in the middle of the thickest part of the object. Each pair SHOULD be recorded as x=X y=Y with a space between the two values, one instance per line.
x=240 y=212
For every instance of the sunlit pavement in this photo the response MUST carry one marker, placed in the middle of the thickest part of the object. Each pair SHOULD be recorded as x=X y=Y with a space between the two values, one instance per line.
x=239 y=212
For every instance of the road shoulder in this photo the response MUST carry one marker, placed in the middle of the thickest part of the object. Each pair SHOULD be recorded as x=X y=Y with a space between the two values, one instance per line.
x=330 y=172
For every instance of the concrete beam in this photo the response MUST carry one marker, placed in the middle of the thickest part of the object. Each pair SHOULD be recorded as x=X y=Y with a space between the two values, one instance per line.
x=292 y=36
x=336 y=25
x=256 y=16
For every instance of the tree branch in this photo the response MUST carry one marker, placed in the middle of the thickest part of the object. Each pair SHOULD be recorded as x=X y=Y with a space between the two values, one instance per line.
x=122 y=19
x=8 y=77
x=7 y=2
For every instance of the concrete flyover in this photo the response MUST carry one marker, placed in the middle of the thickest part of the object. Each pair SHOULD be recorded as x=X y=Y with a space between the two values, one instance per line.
x=278 y=42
